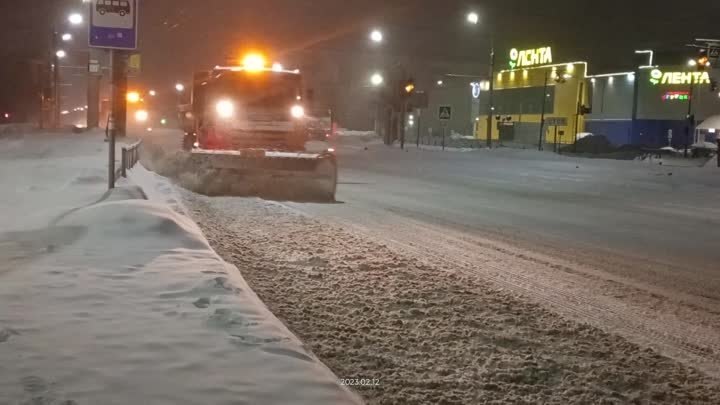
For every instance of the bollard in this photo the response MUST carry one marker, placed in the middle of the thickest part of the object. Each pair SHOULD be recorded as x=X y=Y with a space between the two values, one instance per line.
x=123 y=162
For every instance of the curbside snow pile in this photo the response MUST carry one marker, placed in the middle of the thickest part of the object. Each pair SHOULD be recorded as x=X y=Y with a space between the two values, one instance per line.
x=122 y=301
x=14 y=129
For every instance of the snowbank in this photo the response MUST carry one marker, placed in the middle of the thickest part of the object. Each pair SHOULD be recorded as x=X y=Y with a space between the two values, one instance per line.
x=459 y=136
x=704 y=145
x=438 y=148
x=14 y=129
x=113 y=299
x=349 y=132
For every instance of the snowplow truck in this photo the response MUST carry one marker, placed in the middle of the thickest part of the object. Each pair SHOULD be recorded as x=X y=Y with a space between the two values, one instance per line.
x=248 y=134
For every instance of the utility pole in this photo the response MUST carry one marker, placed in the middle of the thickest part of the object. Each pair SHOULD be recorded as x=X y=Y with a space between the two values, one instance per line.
x=542 y=115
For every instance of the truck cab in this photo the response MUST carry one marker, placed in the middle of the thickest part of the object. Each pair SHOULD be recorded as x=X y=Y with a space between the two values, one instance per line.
x=246 y=107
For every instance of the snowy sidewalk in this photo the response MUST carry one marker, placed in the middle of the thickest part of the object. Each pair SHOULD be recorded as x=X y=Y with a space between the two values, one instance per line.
x=113 y=299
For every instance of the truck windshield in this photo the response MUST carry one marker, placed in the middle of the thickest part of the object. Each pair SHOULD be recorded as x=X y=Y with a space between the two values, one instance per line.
x=263 y=89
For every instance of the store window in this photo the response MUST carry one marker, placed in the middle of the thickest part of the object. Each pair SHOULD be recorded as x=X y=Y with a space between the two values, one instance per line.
x=524 y=101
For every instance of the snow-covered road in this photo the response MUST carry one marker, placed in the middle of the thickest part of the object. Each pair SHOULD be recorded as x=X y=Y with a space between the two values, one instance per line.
x=625 y=247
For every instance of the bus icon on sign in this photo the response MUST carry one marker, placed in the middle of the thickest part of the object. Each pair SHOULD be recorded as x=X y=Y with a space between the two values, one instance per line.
x=121 y=7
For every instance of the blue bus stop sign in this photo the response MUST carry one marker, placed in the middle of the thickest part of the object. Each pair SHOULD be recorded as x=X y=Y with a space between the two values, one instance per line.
x=114 y=24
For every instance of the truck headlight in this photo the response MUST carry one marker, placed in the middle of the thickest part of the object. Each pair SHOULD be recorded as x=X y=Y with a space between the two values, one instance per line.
x=297 y=111
x=141 y=115
x=225 y=108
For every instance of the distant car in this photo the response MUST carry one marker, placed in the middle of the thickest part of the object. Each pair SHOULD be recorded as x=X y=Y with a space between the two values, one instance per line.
x=121 y=7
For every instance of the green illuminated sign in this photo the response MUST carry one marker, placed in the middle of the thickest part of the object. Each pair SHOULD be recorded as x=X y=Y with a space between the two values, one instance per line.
x=676 y=95
x=657 y=76
x=530 y=57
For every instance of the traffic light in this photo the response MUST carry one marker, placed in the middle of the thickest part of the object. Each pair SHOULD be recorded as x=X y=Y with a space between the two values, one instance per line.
x=703 y=60
x=409 y=86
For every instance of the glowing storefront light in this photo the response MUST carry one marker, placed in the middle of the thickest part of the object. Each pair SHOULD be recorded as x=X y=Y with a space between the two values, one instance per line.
x=477 y=87
x=657 y=76
x=676 y=95
x=475 y=90
x=530 y=57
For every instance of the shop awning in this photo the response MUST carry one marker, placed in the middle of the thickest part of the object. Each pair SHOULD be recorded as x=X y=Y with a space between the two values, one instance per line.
x=710 y=123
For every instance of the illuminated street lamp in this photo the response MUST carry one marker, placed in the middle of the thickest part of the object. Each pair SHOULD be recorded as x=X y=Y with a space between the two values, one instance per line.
x=67 y=37
x=75 y=18
x=377 y=79
x=376 y=36
x=152 y=93
x=473 y=18
x=180 y=87
x=133 y=97
x=60 y=54
x=692 y=63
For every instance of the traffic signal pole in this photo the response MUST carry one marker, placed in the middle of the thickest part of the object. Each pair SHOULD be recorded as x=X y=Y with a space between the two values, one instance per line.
x=542 y=115
x=403 y=118
x=635 y=101
x=689 y=121
x=578 y=113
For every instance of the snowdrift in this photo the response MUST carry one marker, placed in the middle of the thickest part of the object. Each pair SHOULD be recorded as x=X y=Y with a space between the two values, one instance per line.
x=124 y=302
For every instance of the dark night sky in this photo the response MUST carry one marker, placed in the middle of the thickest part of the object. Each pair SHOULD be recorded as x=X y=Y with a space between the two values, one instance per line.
x=604 y=31
x=179 y=36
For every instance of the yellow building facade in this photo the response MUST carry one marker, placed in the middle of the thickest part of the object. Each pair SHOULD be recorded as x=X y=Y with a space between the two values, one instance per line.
x=518 y=99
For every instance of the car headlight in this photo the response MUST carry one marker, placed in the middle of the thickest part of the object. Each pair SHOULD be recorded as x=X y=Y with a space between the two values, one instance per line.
x=297 y=111
x=225 y=109
x=141 y=115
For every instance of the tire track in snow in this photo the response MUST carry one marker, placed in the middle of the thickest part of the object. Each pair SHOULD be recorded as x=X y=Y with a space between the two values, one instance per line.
x=543 y=280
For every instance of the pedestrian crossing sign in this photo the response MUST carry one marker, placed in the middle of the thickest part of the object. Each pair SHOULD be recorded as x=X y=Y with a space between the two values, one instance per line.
x=445 y=113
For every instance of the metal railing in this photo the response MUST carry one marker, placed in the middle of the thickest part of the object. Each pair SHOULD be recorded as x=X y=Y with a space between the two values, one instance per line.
x=130 y=156
x=448 y=142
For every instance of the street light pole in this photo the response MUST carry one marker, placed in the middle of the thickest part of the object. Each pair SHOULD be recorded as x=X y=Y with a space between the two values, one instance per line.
x=491 y=93
x=55 y=80
x=473 y=18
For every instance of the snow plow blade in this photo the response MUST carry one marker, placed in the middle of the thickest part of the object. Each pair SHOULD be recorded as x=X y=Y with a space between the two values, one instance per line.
x=294 y=176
